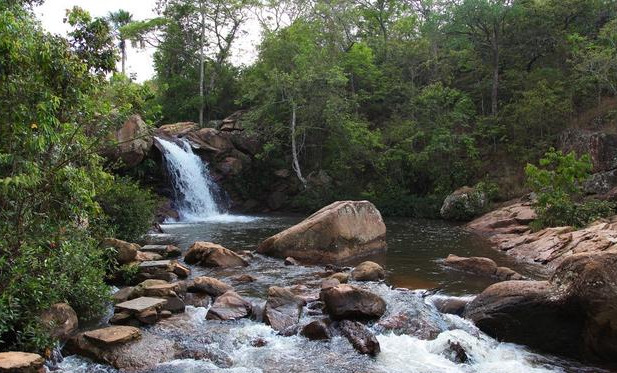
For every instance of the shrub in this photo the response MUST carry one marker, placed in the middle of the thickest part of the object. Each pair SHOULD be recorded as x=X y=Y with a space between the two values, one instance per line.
x=557 y=183
x=129 y=208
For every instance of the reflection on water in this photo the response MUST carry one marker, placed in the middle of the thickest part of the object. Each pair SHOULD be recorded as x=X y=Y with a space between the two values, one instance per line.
x=415 y=248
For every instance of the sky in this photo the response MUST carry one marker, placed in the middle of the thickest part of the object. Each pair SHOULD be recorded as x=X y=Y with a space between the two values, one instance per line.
x=139 y=61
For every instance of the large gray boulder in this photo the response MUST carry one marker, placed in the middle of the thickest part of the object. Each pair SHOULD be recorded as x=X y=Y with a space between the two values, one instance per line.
x=464 y=204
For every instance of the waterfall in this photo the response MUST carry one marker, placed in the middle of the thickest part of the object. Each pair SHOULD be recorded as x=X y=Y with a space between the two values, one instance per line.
x=195 y=191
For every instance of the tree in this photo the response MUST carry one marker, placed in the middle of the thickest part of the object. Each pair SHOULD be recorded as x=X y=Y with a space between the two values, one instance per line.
x=120 y=19
x=484 y=23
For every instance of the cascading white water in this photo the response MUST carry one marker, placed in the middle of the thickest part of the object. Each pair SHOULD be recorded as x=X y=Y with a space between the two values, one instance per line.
x=194 y=188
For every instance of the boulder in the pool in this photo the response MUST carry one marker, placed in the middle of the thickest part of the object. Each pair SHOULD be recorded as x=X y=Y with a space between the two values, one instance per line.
x=464 y=204
x=350 y=302
x=573 y=314
x=360 y=337
x=338 y=232
x=209 y=254
x=368 y=271
x=532 y=313
x=229 y=306
x=22 y=362
x=477 y=265
x=283 y=308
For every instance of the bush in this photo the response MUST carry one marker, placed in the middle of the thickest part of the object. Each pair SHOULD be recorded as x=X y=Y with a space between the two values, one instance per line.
x=129 y=208
x=558 y=187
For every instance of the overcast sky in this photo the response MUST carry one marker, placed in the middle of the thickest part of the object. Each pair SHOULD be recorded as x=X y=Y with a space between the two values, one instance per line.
x=139 y=61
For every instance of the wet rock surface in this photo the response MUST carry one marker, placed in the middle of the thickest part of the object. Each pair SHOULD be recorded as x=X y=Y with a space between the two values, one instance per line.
x=340 y=231
x=209 y=254
x=21 y=362
x=368 y=271
x=360 y=337
x=350 y=302
x=229 y=306
x=482 y=266
x=283 y=308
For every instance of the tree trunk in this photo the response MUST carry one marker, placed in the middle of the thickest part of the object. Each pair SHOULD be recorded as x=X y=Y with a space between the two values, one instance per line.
x=201 y=67
x=495 y=89
x=123 y=52
x=294 y=148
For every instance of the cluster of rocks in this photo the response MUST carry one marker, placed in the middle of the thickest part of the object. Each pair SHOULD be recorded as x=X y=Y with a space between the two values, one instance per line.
x=508 y=229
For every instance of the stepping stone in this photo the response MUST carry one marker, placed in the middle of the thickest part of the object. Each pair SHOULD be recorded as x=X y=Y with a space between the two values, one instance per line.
x=113 y=334
x=140 y=304
x=159 y=249
x=14 y=361
x=155 y=264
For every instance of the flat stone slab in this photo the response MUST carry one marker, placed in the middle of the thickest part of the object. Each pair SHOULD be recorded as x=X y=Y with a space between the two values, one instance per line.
x=140 y=304
x=15 y=361
x=113 y=334
x=155 y=264
x=159 y=249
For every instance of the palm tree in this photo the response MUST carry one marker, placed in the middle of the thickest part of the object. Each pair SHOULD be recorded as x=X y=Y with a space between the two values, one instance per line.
x=118 y=20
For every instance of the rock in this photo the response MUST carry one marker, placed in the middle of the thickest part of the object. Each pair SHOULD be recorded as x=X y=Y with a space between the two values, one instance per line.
x=149 y=316
x=289 y=261
x=123 y=349
x=316 y=330
x=140 y=304
x=229 y=306
x=210 y=254
x=350 y=302
x=61 y=320
x=147 y=257
x=457 y=353
x=329 y=283
x=208 y=285
x=601 y=146
x=166 y=251
x=125 y=251
x=283 y=308
x=230 y=166
x=368 y=271
x=211 y=141
x=174 y=304
x=197 y=300
x=166 y=211
x=259 y=342
x=121 y=318
x=600 y=183
x=477 y=265
x=530 y=313
x=245 y=143
x=177 y=129
x=22 y=362
x=180 y=270
x=124 y=294
x=113 y=335
x=360 y=337
x=588 y=281
x=243 y=279
x=341 y=277
x=450 y=305
x=165 y=314
x=464 y=204
x=134 y=141
x=340 y=231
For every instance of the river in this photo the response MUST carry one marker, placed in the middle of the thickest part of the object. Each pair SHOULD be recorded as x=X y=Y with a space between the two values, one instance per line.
x=415 y=249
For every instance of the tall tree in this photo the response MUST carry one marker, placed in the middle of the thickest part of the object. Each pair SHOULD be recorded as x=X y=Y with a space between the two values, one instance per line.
x=484 y=23
x=120 y=19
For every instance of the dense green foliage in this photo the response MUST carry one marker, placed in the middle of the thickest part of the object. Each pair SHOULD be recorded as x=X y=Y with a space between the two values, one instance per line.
x=557 y=184
x=56 y=118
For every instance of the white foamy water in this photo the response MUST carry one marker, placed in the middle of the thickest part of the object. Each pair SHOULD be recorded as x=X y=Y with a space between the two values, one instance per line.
x=195 y=190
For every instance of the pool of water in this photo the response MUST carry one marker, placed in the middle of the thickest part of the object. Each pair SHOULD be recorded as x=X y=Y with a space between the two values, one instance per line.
x=415 y=249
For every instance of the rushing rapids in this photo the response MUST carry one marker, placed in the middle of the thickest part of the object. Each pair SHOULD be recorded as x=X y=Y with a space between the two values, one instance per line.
x=248 y=345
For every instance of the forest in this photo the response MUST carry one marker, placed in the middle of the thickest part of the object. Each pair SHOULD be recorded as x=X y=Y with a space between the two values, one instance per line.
x=399 y=102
